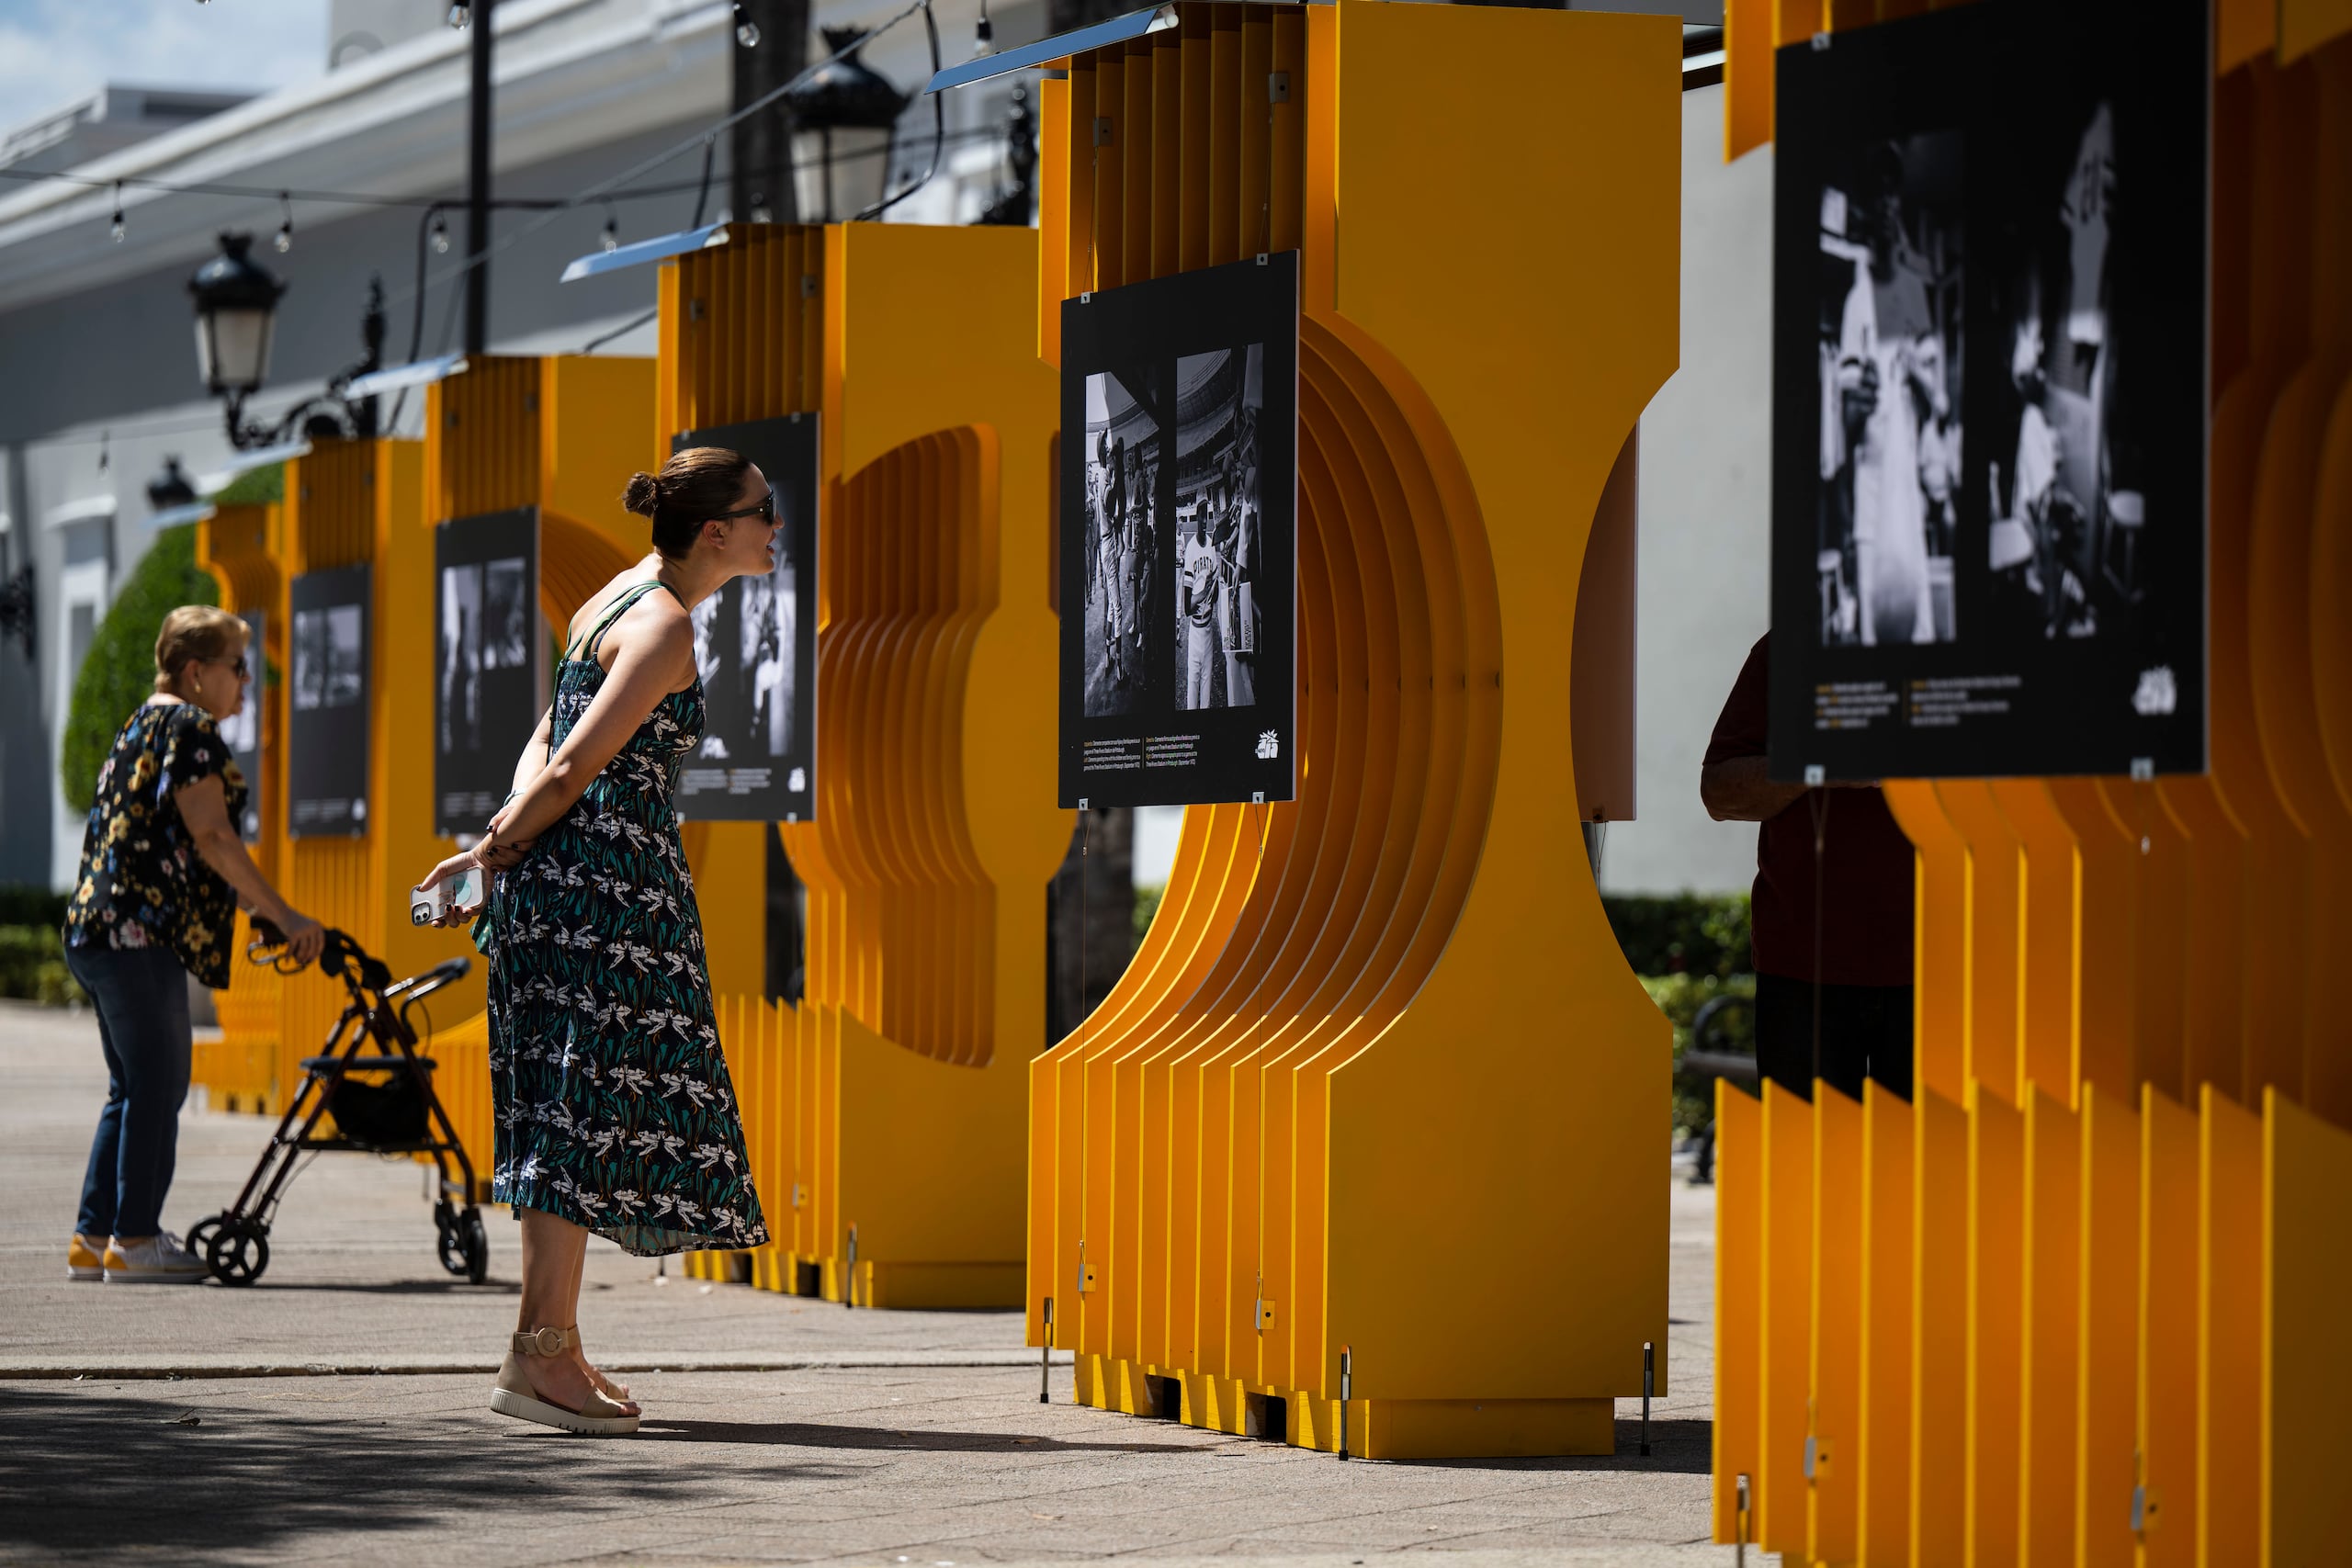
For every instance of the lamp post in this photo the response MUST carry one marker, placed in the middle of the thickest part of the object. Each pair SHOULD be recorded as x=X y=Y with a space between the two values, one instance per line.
x=236 y=305
x=170 y=489
x=844 y=117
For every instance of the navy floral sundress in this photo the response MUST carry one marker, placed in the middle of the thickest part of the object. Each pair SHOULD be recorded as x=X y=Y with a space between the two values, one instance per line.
x=613 y=1105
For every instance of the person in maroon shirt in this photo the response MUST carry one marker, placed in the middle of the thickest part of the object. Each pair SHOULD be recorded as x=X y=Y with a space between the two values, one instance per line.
x=1828 y=861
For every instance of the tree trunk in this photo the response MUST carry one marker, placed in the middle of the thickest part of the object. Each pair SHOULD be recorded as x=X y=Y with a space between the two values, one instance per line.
x=1079 y=974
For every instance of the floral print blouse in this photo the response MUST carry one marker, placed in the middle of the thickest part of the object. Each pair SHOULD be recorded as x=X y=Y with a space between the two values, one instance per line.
x=142 y=883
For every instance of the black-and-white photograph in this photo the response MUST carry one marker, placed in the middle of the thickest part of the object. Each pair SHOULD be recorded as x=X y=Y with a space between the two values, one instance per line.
x=1178 y=593
x=327 y=650
x=2031 y=601
x=326 y=724
x=458 y=677
x=488 y=684
x=2067 y=502
x=1123 y=547
x=1218 y=555
x=242 y=731
x=1891 y=300
x=755 y=648
x=509 y=612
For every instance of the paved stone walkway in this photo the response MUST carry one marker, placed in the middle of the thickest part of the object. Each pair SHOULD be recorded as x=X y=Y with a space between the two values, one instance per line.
x=835 y=1436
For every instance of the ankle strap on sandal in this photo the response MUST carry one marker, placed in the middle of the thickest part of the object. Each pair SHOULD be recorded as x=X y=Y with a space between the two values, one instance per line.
x=546 y=1341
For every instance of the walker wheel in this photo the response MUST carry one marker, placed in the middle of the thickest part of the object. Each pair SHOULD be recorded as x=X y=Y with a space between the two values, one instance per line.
x=477 y=1247
x=238 y=1250
x=200 y=1240
x=449 y=1236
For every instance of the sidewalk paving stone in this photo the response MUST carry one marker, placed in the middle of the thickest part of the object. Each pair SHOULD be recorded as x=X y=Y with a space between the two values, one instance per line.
x=777 y=1430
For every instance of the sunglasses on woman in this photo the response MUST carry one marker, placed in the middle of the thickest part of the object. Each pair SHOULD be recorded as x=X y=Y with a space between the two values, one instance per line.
x=763 y=508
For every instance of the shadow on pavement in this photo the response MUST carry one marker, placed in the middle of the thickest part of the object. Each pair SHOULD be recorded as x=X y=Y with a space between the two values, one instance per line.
x=802 y=1434
x=111 y=1477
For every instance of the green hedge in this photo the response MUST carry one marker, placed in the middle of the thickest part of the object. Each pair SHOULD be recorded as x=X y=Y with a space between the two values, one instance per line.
x=1682 y=933
x=1680 y=996
x=22 y=905
x=119 y=673
x=32 y=966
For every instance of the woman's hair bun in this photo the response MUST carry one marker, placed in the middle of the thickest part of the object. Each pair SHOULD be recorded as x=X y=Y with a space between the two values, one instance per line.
x=643 y=494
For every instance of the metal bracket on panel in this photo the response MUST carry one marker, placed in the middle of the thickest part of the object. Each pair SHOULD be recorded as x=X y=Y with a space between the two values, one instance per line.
x=1815 y=775
x=1820 y=43
x=807 y=291
x=1262 y=258
x=1103 y=130
x=2147 y=1505
x=1085 y=1270
x=800 y=1194
x=1346 y=1391
x=1265 y=1315
x=1081 y=803
x=1256 y=797
x=1278 y=86
x=2142 y=769
x=1816 y=1459
x=694 y=309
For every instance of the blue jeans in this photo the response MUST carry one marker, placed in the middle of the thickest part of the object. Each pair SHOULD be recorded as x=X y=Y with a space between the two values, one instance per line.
x=141 y=995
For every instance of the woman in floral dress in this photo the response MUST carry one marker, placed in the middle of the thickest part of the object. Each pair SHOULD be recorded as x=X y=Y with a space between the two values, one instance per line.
x=613 y=1106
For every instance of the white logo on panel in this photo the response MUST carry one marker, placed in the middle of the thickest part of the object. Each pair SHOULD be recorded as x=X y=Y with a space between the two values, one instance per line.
x=1269 y=744
x=2158 y=695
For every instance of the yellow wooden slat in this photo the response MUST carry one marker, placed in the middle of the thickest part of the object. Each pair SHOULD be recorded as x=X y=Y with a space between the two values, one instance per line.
x=2108 y=1335
x=1882 y=1452
x=2229 y=1343
x=1835 y=1352
x=1739 y=1267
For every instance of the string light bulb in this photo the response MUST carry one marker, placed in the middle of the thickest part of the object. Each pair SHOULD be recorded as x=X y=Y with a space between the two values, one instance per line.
x=461 y=14
x=612 y=236
x=118 y=229
x=285 y=241
x=747 y=31
x=984 y=40
x=440 y=235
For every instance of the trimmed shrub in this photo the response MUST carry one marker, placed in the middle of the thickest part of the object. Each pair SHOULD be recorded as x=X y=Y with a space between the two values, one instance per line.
x=1681 y=997
x=119 y=673
x=1682 y=933
x=23 y=905
x=32 y=965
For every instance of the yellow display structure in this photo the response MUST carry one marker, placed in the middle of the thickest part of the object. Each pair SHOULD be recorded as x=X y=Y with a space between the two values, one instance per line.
x=1378 y=1091
x=242 y=547
x=885 y=1113
x=560 y=435
x=556 y=434
x=2118 y=1274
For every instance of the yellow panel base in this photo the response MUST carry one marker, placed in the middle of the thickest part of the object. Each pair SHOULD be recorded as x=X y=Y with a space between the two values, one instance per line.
x=915 y=1286
x=1488 y=1428
x=1377 y=1429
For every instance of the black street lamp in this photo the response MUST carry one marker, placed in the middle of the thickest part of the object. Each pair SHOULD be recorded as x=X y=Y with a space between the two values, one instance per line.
x=236 y=308
x=236 y=305
x=1018 y=206
x=845 y=117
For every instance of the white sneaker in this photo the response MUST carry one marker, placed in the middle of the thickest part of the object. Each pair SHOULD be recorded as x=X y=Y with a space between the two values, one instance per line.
x=153 y=1261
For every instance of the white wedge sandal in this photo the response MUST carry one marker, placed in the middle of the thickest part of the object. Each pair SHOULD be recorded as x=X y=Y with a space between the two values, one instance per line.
x=513 y=1396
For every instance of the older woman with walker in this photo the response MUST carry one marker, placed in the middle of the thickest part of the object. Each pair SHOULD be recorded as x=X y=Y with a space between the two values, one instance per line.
x=163 y=874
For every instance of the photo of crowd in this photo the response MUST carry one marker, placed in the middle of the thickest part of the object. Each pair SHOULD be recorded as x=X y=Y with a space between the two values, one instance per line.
x=1123 y=545
x=1218 y=528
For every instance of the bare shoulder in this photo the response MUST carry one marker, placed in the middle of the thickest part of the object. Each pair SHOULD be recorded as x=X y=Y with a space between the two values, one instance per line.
x=658 y=630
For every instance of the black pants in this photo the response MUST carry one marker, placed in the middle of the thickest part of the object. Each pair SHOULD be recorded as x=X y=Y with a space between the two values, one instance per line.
x=1865 y=1033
